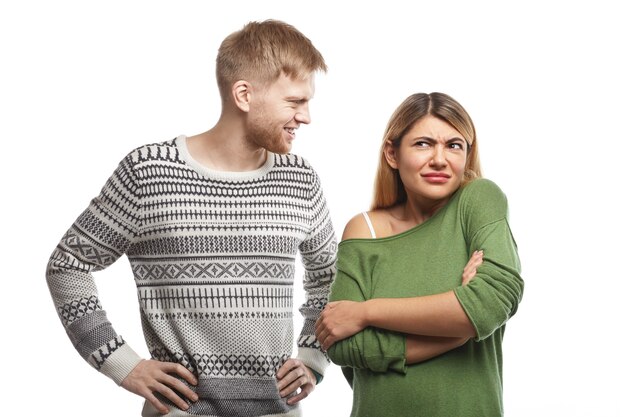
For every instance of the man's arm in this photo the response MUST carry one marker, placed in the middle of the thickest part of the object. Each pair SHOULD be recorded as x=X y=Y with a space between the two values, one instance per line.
x=318 y=252
x=100 y=235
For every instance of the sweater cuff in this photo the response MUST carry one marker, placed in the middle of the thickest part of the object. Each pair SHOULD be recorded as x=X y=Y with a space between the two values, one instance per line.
x=314 y=360
x=469 y=305
x=384 y=350
x=120 y=363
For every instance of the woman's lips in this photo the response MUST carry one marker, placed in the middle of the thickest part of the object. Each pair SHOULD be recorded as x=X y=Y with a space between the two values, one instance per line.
x=436 y=178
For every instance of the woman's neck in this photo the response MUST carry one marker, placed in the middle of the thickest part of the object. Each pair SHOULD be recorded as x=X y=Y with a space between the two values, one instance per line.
x=417 y=210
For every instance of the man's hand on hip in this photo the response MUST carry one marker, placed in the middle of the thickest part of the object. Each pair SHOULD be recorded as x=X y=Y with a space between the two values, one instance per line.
x=294 y=375
x=150 y=376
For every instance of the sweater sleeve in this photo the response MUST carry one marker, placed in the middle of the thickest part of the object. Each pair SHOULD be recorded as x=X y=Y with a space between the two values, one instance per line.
x=100 y=235
x=375 y=349
x=319 y=253
x=492 y=297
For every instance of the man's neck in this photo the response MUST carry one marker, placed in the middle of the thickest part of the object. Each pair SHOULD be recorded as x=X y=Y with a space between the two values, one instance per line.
x=225 y=148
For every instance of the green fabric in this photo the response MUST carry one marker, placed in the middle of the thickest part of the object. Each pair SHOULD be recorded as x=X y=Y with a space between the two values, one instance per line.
x=429 y=259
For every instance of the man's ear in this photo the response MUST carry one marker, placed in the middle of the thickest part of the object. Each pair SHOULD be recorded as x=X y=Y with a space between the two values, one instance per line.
x=241 y=92
x=391 y=154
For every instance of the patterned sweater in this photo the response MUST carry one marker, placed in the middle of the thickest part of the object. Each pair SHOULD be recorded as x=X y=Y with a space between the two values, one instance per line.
x=213 y=257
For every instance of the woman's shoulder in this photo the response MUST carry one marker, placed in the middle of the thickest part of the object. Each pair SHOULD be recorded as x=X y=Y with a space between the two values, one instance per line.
x=483 y=201
x=358 y=227
x=482 y=185
x=483 y=190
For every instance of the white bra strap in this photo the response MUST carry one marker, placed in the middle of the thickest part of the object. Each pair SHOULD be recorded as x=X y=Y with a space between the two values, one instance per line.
x=369 y=224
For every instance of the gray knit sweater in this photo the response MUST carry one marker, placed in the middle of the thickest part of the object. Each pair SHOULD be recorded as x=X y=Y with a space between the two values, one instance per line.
x=213 y=257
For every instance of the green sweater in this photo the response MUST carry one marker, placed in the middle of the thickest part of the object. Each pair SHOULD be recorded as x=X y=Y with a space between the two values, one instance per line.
x=429 y=259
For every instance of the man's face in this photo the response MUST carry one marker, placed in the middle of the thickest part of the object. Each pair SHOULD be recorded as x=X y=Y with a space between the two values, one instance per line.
x=277 y=110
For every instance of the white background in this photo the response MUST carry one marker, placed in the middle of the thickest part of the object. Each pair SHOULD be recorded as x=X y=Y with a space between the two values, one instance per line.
x=84 y=82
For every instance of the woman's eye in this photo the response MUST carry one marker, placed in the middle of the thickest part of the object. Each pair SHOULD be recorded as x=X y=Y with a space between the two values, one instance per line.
x=457 y=146
x=421 y=144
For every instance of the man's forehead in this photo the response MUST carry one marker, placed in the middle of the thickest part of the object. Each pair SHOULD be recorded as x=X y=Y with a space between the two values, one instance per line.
x=299 y=86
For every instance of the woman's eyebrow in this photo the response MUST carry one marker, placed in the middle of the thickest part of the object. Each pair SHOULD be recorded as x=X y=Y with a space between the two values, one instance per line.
x=428 y=138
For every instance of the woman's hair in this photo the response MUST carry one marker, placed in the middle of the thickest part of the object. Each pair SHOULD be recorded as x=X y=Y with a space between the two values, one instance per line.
x=388 y=187
x=261 y=51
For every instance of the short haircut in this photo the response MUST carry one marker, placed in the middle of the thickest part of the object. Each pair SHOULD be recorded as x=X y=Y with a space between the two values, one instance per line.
x=262 y=51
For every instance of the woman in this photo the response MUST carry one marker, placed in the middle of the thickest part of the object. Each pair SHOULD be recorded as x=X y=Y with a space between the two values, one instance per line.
x=416 y=334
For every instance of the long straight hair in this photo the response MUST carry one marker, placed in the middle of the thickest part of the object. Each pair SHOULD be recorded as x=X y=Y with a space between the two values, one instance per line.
x=388 y=187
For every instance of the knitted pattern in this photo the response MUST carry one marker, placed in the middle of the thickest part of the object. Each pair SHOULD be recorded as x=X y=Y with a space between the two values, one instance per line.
x=213 y=257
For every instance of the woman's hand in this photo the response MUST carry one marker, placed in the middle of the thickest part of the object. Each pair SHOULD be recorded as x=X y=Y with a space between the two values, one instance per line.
x=151 y=376
x=339 y=320
x=469 y=272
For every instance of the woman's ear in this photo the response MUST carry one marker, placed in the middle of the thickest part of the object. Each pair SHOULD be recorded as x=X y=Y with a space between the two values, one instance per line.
x=391 y=154
x=241 y=95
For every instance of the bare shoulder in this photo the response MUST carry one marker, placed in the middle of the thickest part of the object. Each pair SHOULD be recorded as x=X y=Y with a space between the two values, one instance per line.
x=357 y=227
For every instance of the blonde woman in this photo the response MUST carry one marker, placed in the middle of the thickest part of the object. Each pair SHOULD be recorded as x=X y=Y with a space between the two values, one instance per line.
x=428 y=278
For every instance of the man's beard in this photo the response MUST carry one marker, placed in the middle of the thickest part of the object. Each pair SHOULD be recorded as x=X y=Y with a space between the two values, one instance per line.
x=268 y=138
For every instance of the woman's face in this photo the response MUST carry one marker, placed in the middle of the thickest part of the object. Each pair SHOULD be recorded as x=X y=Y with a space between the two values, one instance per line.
x=431 y=160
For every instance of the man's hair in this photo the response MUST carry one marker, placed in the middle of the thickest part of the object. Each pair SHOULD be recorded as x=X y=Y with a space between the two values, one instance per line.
x=261 y=51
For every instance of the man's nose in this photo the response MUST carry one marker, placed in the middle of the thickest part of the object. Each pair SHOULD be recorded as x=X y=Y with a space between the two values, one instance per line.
x=303 y=116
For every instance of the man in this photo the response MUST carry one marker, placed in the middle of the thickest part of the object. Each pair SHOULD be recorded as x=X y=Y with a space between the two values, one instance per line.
x=211 y=225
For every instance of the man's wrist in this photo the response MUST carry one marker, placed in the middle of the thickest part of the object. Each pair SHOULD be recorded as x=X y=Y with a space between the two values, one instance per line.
x=318 y=377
